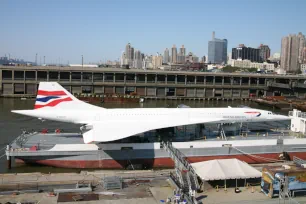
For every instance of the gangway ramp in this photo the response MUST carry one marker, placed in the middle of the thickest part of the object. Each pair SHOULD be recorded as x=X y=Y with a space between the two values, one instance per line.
x=185 y=173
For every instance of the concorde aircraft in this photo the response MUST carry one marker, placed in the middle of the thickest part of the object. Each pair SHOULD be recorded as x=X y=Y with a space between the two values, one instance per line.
x=53 y=102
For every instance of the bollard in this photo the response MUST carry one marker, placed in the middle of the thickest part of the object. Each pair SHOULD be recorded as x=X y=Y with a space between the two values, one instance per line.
x=9 y=166
x=252 y=189
x=8 y=158
x=217 y=189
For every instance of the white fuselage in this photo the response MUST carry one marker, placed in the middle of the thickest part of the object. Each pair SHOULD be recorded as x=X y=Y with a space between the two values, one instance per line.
x=53 y=102
x=227 y=115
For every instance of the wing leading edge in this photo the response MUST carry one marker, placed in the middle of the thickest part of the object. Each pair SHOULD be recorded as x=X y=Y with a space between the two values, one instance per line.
x=115 y=130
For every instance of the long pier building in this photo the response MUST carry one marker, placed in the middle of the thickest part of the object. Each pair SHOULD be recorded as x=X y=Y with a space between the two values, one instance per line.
x=158 y=84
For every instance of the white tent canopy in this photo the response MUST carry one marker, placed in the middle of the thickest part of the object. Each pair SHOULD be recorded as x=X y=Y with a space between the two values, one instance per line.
x=223 y=169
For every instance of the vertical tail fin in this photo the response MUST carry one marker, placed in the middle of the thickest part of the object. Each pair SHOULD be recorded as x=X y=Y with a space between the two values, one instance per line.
x=53 y=95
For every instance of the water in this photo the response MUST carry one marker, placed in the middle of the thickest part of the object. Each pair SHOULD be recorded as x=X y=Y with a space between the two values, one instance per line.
x=12 y=124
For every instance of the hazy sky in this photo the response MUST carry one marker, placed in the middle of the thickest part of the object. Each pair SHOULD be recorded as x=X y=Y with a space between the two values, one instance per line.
x=100 y=29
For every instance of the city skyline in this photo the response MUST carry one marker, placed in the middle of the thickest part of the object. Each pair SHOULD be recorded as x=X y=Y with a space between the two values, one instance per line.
x=65 y=30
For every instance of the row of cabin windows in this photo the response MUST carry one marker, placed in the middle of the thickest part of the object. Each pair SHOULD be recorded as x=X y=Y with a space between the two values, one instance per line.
x=161 y=114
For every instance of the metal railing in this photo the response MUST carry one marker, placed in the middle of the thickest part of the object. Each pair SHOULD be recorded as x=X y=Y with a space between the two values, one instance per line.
x=298 y=161
x=178 y=184
x=181 y=163
x=300 y=114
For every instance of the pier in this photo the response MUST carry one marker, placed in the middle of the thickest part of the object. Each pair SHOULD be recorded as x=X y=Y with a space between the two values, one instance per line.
x=150 y=187
x=150 y=84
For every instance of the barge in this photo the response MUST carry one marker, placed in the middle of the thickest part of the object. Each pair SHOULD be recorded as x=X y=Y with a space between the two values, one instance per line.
x=67 y=150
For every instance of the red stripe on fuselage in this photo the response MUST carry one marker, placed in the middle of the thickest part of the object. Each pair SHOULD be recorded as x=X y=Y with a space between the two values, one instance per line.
x=53 y=103
x=51 y=93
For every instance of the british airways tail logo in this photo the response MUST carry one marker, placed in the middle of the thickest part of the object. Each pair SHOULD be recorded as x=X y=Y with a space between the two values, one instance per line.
x=255 y=113
x=50 y=98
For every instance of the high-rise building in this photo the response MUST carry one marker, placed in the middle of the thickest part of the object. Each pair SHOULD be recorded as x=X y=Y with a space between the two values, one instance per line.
x=180 y=59
x=217 y=50
x=304 y=56
x=203 y=60
x=264 y=52
x=181 y=55
x=127 y=50
x=129 y=54
x=157 y=61
x=302 y=45
x=191 y=58
x=242 y=52
x=183 y=51
x=174 y=55
x=122 y=59
x=291 y=52
x=132 y=53
x=166 y=58
x=137 y=63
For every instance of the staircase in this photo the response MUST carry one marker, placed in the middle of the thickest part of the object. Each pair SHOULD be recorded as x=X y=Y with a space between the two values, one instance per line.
x=222 y=132
x=244 y=129
x=184 y=170
x=185 y=182
x=193 y=182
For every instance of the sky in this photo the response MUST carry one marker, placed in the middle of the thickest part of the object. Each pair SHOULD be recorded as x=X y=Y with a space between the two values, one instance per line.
x=64 y=30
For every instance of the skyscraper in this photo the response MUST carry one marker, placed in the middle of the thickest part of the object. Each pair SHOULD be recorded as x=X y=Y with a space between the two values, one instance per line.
x=127 y=50
x=183 y=51
x=203 y=59
x=264 y=52
x=181 y=55
x=122 y=59
x=217 y=50
x=129 y=55
x=132 y=53
x=292 y=52
x=157 y=61
x=191 y=58
x=137 y=63
x=304 y=56
x=166 y=58
x=302 y=45
x=174 y=55
x=246 y=53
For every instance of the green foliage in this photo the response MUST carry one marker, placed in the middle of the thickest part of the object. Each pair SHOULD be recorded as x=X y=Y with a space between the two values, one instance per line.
x=231 y=69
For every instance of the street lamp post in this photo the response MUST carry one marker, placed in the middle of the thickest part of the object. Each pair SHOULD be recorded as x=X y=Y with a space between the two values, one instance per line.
x=82 y=61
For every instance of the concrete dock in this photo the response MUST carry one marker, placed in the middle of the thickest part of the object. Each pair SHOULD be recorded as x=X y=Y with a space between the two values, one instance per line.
x=148 y=187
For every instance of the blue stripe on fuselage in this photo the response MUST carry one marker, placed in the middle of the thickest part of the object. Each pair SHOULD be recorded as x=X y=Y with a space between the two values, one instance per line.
x=47 y=98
